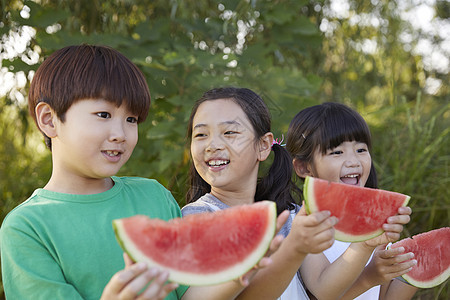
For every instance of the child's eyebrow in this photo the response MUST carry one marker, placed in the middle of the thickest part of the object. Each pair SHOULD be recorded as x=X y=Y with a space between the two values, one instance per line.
x=233 y=122
x=199 y=126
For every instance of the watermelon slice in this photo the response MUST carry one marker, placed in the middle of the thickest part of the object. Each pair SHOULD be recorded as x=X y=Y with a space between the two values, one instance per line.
x=201 y=249
x=361 y=211
x=431 y=250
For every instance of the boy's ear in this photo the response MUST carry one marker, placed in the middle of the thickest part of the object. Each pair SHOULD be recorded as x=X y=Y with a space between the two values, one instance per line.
x=45 y=118
x=265 y=146
x=302 y=168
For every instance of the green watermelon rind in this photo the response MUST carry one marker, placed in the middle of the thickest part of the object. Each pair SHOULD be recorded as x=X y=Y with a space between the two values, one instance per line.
x=339 y=235
x=425 y=284
x=192 y=279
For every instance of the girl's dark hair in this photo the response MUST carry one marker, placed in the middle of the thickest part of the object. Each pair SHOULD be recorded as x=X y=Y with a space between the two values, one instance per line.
x=277 y=184
x=88 y=72
x=324 y=127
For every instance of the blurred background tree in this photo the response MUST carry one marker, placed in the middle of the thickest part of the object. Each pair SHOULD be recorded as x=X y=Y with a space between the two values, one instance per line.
x=387 y=59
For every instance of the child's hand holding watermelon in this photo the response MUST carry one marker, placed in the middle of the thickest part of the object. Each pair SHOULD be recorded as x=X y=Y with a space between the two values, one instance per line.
x=387 y=264
x=392 y=228
x=312 y=233
x=127 y=283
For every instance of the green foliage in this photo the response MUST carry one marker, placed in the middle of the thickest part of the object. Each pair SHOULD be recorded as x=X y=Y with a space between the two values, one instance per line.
x=273 y=47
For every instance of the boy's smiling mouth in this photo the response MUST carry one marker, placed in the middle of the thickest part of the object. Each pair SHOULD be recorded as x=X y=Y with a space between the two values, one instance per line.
x=352 y=179
x=112 y=152
x=112 y=155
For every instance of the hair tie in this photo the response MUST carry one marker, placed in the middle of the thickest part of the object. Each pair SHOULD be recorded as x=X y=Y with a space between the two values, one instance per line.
x=275 y=141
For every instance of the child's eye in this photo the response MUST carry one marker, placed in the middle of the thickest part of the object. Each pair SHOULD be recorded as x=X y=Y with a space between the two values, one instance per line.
x=104 y=115
x=335 y=152
x=199 y=135
x=229 y=132
x=361 y=150
x=132 y=119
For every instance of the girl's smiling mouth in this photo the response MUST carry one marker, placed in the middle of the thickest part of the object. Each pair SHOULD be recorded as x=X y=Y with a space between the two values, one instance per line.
x=217 y=163
x=352 y=179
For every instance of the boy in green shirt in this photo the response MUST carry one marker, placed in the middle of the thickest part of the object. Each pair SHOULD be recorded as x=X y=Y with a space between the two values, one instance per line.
x=59 y=244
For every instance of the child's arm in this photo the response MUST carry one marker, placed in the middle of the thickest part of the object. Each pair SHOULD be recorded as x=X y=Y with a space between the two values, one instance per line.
x=384 y=266
x=309 y=234
x=397 y=290
x=329 y=281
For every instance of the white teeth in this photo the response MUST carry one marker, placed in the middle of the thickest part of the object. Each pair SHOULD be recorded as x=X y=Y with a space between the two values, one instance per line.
x=351 y=176
x=217 y=162
x=112 y=153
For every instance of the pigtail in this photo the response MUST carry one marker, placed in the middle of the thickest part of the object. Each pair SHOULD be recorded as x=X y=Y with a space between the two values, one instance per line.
x=277 y=184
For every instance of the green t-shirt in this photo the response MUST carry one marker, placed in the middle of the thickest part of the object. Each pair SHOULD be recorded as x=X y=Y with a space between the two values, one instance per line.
x=62 y=246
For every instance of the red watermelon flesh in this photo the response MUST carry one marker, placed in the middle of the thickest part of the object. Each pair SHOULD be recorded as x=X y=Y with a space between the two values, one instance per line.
x=361 y=211
x=431 y=250
x=201 y=249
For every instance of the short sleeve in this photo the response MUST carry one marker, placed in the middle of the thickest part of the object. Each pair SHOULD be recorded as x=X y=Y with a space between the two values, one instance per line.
x=25 y=255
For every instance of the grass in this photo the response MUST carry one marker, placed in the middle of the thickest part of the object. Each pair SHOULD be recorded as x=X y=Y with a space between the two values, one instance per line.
x=411 y=153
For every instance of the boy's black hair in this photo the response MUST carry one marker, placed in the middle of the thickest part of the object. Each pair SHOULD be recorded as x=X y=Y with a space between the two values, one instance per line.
x=277 y=184
x=85 y=71
x=324 y=127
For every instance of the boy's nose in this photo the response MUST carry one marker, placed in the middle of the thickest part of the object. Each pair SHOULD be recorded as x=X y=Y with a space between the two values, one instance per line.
x=117 y=133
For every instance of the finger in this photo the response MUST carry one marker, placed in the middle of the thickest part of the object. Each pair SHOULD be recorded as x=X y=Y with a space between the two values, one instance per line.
x=324 y=225
x=157 y=288
x=275 y=244
x=399 y=219
x=264 y=262
x=322 y=246
x=281 y=219
x=388 y=253
x=407 y=257
x=394 y=228
x=317 y=241
x=132 y=289
x=392 y=237
x=317 y=218
x=405 y=210
x=395 y=261
x=169 y=288
x=244 y=280
x=402 y=268
x=164 y=291
x=302 y=210
x=323 y=241
x=121 y=278
x=407 y=265
x=127 y=259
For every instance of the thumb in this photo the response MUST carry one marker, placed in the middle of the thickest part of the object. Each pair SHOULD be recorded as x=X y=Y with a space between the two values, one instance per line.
x=302 y=210
x=383 y=246
x=127 y=259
